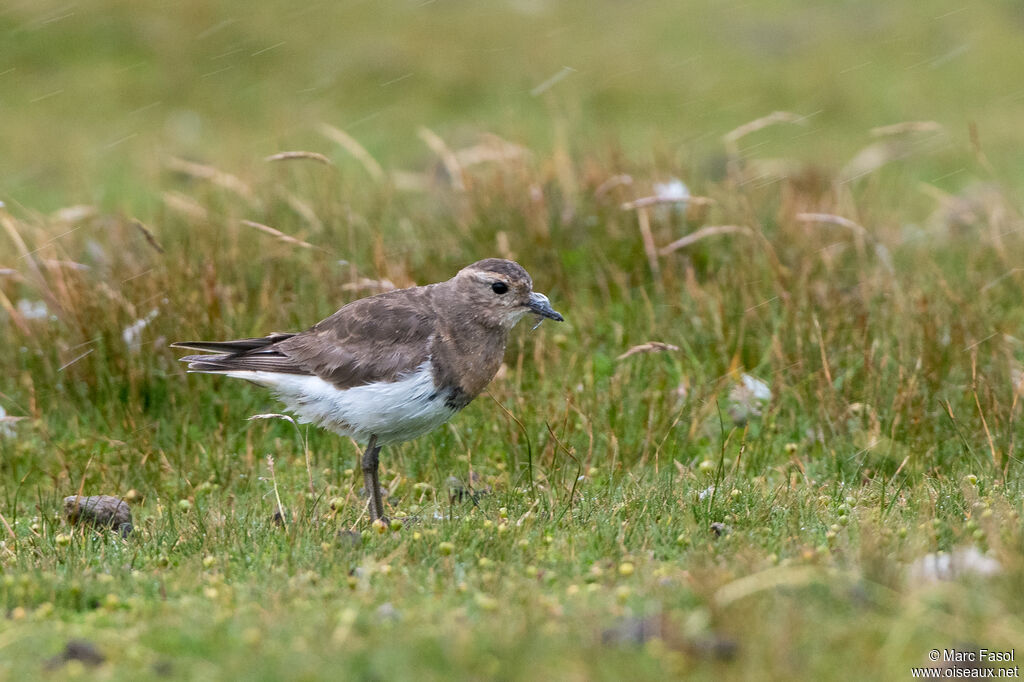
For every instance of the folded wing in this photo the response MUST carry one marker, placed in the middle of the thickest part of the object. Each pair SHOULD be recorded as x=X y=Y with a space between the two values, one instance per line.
x=381 y=338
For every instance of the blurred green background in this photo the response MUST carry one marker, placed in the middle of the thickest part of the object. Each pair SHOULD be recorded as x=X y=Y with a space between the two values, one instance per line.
x=94 y=94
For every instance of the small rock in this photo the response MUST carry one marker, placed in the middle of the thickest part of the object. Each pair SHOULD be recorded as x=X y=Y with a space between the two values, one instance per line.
x=387 y=612
x=633 y=631
x=713 y=648
x=163 y=668
x=350 y=538
x=720 y=529
x=77 y=650
x=99 y=510
x=459 y=491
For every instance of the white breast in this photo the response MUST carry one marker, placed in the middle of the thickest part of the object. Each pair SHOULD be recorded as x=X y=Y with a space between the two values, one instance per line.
x=394 y=411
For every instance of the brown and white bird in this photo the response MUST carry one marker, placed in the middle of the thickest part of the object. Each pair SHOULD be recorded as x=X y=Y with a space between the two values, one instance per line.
x=391 y=367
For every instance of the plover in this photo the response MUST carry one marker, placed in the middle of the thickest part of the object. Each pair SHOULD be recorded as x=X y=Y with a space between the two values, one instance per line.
x=391 y=367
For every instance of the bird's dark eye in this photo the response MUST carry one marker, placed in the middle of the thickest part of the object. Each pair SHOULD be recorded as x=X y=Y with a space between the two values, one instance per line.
x=499 y=288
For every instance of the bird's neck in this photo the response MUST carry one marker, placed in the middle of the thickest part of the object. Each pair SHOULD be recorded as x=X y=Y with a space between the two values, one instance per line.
x=467 y=359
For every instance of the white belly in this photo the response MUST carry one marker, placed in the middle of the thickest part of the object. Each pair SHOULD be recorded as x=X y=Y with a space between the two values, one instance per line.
x=395 y=411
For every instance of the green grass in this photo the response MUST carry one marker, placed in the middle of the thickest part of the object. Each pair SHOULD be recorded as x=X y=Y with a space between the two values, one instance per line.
x=893 y=354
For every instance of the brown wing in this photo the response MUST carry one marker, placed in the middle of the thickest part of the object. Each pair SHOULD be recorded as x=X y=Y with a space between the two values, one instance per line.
x=373 y=339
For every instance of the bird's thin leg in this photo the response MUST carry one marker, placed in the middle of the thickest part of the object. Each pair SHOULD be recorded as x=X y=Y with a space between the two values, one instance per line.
x=370 y=480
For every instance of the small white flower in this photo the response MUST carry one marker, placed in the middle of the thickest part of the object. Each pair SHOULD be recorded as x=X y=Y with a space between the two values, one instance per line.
x=748 y=398
x=132 y=334
x=32 y=310
x=7 y=424
x=676 y=191
x=758 y=389
x=950 y=566
x=673 y=190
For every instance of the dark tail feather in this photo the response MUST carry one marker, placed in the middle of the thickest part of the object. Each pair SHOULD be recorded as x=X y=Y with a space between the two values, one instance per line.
x=231 y=347
x=229 y=362
x=209 y=363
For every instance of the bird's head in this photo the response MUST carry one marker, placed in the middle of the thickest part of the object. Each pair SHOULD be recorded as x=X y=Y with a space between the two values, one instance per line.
x=500 y=292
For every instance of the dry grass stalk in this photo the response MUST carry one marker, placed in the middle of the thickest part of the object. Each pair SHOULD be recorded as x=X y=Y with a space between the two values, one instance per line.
x=649 y=347
x=770 y=579
x=367 y=284
x=287 y=238
x=858 y=230
x=230 y=182
x=293 y=155
x=277 y=495
x=303 y=209
x=552 y=81
x=611 y=183
x=493 y=149
x=561 y=158
x=148 y=234
x=74 y=360
x=907 y=127
x=731 y=138
x=873 y=157
x=74 y=214
x=832 y=219
x=57 y=264
x=36 y=274
x=644 y=218
x=655 y=200
x=708 y=231
x=358 y=151
x=14 y=315
x=448 y=158
x=186 y=206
